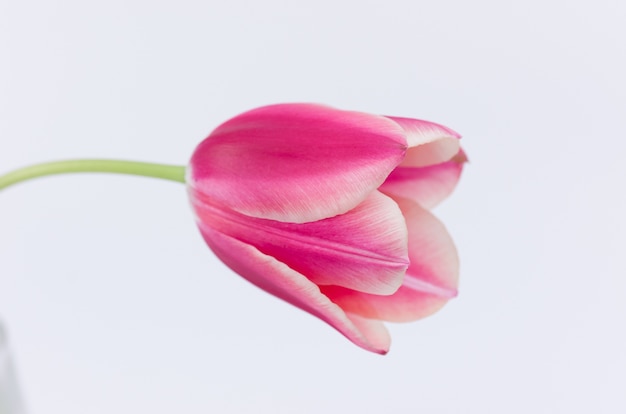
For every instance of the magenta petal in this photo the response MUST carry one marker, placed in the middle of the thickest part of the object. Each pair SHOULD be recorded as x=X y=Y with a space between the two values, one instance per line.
x=296 y=162
x=430 y=281
x=426 y=185
x=278 y=279
x=429 y=143
x=364 y=249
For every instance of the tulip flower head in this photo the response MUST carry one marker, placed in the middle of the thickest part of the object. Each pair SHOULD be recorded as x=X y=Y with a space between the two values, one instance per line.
x=323 y=208
x=328 y=210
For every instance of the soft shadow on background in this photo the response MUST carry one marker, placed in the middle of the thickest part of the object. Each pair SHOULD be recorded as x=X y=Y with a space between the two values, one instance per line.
x=113 y=303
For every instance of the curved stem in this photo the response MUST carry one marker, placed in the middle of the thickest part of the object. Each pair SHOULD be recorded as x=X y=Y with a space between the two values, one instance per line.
x=163 y=171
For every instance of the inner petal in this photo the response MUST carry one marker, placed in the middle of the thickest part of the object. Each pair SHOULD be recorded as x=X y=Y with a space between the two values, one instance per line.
x=431 y=153
x=426 y=186
x=429 y=143
x=430 y=281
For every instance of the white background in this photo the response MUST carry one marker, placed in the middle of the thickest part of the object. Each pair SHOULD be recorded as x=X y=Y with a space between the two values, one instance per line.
x=114 y=304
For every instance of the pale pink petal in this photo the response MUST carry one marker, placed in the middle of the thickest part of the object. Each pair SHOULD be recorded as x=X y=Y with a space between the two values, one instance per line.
x=296 y=162
x=421 y=132
x=425 y=185
x=364 y=249
x=278 y=279
x=405 y=305
x=430 y=281
x=429 y=143
x=374 y=330
x=432 y=153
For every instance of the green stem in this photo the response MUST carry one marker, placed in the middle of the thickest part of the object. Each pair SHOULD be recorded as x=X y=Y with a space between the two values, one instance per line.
x=163 y=171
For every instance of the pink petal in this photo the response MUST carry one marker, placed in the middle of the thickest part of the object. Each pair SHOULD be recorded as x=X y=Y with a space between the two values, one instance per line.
x=430 y=281
x=279 y=280
x=374 y=330
x=364 y=249
x=429 y=143
x=426 y=185
x=296 y=162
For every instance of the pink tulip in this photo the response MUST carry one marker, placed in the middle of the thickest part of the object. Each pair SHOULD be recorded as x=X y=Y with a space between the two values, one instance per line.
x=327 y=209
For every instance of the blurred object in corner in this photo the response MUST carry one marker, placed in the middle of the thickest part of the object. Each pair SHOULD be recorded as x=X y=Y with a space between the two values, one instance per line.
x=10 y=401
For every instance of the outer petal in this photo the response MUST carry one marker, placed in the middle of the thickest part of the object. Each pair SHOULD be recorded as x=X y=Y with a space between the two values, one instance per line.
x=364 y=249
x=278 y=279
x=426 y=185
x=296 y=162
x=429 y=143
x=430 y=282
